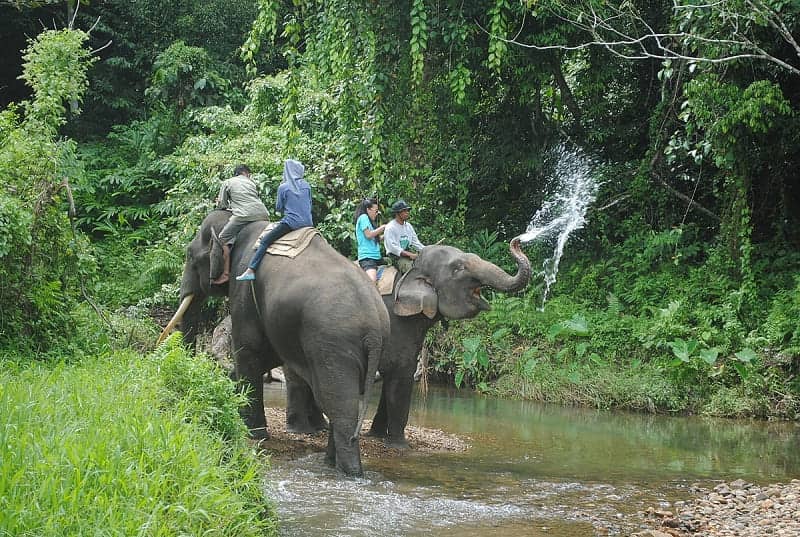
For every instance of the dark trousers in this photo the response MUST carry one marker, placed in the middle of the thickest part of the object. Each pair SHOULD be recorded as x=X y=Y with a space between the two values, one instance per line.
x=277 y=232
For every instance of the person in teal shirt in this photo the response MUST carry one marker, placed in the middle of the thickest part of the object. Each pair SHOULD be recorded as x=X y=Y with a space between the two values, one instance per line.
x=368 y=237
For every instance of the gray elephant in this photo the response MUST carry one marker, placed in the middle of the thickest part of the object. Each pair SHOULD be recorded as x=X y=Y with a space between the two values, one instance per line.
x=316 y=313
x=444 y=283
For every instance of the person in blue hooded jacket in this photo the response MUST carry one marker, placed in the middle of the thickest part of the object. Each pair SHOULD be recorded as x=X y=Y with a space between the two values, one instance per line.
x=294 y=201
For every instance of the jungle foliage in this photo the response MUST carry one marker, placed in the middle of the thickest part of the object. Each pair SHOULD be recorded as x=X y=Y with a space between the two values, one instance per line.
x=682 y=292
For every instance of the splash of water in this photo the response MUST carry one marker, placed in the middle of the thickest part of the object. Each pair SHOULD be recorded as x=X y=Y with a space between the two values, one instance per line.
x=574 y=189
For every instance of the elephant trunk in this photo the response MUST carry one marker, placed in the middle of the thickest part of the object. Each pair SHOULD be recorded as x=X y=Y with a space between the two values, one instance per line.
x=493 y=276
x=187 y=300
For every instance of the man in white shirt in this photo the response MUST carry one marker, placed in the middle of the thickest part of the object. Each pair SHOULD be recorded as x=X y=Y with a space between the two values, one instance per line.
x=399 y=236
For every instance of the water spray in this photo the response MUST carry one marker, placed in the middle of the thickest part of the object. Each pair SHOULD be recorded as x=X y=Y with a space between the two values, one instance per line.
x=575 y=188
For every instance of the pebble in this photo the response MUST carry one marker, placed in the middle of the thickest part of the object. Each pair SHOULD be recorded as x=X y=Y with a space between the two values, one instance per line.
x=735 y=509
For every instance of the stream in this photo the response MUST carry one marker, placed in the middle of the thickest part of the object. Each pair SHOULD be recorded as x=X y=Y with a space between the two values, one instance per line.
x=532 y=470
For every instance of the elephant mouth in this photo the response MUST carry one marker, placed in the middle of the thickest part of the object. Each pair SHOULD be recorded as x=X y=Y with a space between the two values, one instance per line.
x=478 y=298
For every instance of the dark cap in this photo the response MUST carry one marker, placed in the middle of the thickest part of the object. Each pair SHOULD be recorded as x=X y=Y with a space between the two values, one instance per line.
x=400 y=205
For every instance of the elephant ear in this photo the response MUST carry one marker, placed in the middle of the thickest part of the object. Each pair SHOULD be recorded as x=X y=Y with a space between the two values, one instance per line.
x=216 y=263
x=415 y=294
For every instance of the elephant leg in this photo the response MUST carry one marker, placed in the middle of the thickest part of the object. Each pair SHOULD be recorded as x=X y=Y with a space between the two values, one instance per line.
x=341 y=406
x=346 y=449
x=249 y=372
x=379 y=427
x=397 y=389
x=303 y=415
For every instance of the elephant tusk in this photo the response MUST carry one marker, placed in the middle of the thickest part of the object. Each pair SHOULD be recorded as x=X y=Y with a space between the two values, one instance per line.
x=175 y=318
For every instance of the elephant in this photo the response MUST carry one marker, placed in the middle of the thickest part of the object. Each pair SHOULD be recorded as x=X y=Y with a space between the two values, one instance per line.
x=316 y=314
x=444 y=283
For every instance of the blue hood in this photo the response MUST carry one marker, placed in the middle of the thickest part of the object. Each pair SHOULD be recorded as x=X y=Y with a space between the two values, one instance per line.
x=292 y=171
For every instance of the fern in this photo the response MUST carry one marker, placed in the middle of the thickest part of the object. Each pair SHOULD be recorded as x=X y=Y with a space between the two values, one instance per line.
x=162 y=266
x=614 y=305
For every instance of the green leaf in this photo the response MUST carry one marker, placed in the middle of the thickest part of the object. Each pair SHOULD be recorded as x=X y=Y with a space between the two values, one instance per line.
x=459 y=377
x=709 y=356
x=683 y=349
x=577 y=325
x=574 y=377
x=471 y=344
x=497 y=335
x=595 y=358
x=741 y=369
x=469 y=358
x=746 y=355
x=530 y=365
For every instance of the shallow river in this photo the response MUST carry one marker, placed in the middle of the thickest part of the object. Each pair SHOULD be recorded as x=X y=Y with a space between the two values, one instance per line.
x=532 y=470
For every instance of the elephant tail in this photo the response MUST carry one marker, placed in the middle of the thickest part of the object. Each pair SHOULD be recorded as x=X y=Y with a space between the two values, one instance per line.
x=373 y=345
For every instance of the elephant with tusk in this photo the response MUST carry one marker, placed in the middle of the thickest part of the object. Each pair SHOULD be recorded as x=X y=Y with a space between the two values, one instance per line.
x=444 y=283
x=315 y=313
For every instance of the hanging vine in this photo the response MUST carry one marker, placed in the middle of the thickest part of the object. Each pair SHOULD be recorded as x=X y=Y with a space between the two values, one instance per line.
x=264 y=29
x=419 y=40
x=498 y=30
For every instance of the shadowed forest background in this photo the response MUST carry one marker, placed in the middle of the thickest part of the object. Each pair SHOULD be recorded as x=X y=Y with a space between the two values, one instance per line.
x=681 y=294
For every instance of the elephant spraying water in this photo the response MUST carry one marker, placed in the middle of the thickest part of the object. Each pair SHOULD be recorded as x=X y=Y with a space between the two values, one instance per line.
x=316 y=313
x=444 y=283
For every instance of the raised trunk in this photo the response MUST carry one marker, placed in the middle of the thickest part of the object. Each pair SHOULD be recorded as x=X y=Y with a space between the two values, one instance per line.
x=493 y=276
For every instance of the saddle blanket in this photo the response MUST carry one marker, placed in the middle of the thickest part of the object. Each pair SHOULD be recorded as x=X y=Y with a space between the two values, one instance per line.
x=291 y=244
x=386 y=276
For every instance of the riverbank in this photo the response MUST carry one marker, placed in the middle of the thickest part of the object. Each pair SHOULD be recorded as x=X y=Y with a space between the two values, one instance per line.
x=283 y=444
x=735 y=509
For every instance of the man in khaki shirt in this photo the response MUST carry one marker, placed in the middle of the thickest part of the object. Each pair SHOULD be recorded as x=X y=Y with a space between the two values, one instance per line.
x=239 y=195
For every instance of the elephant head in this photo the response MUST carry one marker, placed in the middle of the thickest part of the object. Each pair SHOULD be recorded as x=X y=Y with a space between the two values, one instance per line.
x=446 y=281
x=198 y=271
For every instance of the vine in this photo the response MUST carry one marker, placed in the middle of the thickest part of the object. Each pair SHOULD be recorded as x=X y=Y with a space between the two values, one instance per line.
x=498 y=29
x=419 y=40
x=459 y=77
x=265 y=26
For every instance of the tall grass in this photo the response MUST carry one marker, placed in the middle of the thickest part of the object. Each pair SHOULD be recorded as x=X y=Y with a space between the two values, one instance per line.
x=109 y=446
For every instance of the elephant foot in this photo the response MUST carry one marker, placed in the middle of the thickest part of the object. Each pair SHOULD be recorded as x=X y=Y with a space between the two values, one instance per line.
x=377 y=433
x=305 y=429
x=259 y=433
x=396 y=443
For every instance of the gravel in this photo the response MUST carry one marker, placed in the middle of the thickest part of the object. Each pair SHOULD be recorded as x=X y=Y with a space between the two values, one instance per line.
x=284 y=444
x=737 y=509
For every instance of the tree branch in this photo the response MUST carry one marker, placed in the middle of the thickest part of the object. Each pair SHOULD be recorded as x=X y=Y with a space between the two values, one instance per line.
x=609 y=32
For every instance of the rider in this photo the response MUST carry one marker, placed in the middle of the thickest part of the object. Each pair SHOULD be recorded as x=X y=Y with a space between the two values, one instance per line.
x=399 y=236
x=239 y=195
x=294 y=201
x=367 y=237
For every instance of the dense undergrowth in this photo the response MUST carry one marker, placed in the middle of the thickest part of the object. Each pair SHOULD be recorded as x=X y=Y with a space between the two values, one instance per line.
x=665 y=334
x=126 y=444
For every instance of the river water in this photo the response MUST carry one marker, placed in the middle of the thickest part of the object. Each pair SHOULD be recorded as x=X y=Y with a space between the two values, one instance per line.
x=532 y=470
